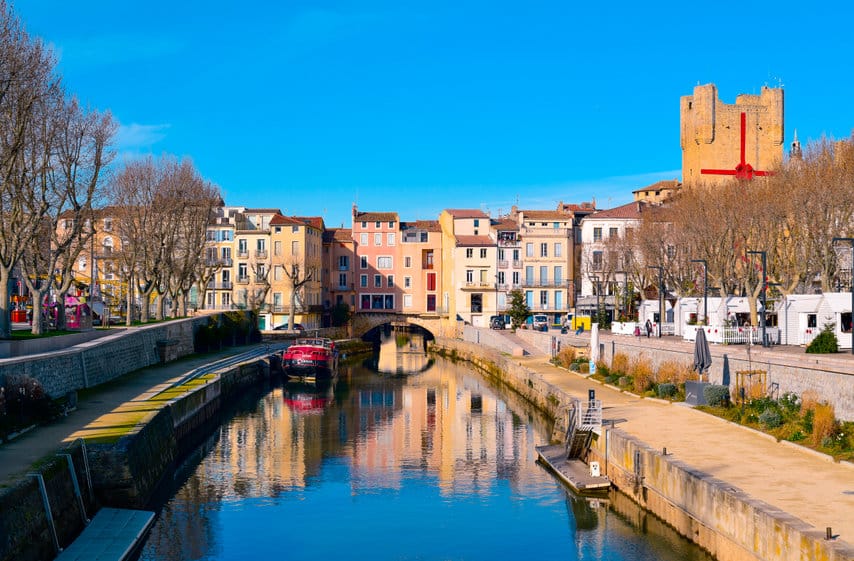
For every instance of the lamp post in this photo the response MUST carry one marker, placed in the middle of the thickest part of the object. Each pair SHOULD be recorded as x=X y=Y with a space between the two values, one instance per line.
x=660 y=296
x=595 y=278
x=705 y=289
x=625 y=292
x=763 y=296
x=851 y=286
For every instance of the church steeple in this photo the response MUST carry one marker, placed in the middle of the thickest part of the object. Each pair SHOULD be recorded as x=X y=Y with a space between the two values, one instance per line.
x=795 y=153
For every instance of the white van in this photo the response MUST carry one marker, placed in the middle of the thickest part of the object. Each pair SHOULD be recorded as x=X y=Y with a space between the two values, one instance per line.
x=540 y=322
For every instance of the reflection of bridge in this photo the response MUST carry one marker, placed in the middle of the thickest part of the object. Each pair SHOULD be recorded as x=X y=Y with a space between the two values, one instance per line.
x=365 y=322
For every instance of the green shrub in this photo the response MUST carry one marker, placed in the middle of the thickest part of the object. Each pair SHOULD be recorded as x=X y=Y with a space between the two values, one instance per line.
x=825 y=342
x=770 y=418
x=716 y=396
x=666 y=390
x=790 y=403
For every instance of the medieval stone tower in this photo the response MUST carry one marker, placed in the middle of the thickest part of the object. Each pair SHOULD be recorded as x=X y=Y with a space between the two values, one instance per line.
x=722 y=141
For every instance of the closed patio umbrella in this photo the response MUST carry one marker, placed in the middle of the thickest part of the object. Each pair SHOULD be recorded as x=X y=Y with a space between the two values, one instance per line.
x=702 y=354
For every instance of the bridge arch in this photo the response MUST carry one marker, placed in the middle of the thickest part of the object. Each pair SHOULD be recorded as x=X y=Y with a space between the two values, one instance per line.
x=363 y=324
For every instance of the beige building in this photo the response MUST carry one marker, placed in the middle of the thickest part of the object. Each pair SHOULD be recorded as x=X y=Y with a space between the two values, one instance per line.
x=658 y=192
x=296 y=277
x=722 y=141
x=547 y=260
x=339 y=257
x=469 y=273
x=420 y=266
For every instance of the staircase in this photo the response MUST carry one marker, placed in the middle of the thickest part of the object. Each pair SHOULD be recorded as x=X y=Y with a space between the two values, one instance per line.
x=583 y=419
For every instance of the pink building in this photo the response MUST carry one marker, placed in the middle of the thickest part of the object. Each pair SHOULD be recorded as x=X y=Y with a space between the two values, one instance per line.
x=376 y=245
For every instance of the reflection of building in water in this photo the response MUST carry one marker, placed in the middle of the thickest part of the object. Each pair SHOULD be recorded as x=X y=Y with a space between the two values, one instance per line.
x=402 y=352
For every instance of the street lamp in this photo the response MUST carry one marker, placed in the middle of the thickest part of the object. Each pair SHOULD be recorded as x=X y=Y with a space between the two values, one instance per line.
x=850 y=241
x=595 y=278
x=763 y=296
x=705 y=289
x=660 y=296
x=626 y=293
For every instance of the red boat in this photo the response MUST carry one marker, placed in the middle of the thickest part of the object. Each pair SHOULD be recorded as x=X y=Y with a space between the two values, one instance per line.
x=310 y=358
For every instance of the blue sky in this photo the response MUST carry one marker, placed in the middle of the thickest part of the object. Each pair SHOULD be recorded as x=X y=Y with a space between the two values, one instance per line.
x=418 y=106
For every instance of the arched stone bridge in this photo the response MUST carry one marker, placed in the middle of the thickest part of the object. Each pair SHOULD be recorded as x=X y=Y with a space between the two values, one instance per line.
x=363 y=322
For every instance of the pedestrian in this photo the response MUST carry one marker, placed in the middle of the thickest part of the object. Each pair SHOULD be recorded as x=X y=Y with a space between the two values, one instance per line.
x=648 y=329
x=637 y=331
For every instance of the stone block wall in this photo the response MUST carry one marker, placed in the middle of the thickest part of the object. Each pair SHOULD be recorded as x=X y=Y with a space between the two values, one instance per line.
x=99 y=361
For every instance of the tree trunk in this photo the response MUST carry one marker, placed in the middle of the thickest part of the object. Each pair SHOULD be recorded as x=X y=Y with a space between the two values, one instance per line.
x=61 y=321
x=5 y=318
x=38 y=326
x=129 y=302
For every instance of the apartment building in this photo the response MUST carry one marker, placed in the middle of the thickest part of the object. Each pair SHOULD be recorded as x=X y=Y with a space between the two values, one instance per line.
x=219 y=258
x=420 y=266
x=339 y=258
x=505 y=231
x=603 y=273
x=375 y=239
x=469 y=273
x=547 y=243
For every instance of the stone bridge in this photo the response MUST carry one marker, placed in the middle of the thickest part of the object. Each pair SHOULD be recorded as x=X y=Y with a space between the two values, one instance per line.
x=433 y=323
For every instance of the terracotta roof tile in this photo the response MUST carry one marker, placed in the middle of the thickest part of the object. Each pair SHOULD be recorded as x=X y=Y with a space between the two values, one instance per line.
x=630 y=210
x=468 y=241
x=375 y=217
x=466 y=213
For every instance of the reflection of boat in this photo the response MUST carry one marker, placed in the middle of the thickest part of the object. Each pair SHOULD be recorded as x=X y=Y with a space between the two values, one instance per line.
x=314 y=357
x=308 y=398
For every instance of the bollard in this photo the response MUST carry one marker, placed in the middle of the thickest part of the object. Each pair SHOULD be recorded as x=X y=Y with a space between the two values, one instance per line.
x=664 y=451
x=829 y=534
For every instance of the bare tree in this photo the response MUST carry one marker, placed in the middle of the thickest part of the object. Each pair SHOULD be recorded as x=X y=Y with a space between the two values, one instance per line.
x=27 y=86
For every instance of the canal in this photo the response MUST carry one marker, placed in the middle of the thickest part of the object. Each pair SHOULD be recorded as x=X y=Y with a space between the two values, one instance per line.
x=382 y=464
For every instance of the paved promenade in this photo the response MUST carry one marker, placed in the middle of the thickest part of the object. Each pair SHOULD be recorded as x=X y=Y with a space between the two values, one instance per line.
x=17 y=456
x=796 y=480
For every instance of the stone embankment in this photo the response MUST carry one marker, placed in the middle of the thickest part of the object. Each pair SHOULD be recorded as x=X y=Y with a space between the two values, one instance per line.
x=711 y=512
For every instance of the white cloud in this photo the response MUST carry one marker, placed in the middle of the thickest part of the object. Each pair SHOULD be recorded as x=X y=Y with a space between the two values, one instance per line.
x=136 y=136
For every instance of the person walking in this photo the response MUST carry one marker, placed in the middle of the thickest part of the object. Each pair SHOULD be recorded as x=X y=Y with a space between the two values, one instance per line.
x=648 y=329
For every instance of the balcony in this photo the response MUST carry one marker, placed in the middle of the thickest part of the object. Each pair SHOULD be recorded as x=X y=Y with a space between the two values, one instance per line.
x=517 y=264
x=343 y=267
x=243 y=254
x=242 y=280
x=260 y=254
x=544 y=283
x=219 y=285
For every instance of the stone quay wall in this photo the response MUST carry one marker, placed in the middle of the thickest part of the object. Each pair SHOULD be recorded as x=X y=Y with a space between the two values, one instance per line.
x=707 y=511
x=123 y=475
x=92 y=363
x=25 y=530
x=830 y=377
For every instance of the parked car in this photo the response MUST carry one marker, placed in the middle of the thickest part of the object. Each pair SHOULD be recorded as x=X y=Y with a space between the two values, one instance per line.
x=540 y=322
x=284 y=327
x=497 y=322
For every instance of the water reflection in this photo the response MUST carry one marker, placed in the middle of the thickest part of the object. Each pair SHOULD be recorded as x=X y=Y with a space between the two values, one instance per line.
x=402 y=352
x=436 y=465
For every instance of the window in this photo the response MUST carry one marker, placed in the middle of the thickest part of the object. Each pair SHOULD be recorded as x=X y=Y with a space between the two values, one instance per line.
x=378 y=281
x=277 y=299
x=242 y=271
x=278 y=273
x=407 y=300
x=671 y=251
x=390 y=238
x=597 y=260
x=407 y=262
x=544 y=275
x=469 y=253
x=384 y=262
x=515 y=255
x=226 y=277
x=476 y=303
x=407 y=282
x=242 y=246
x=378 y=239
x=294 y=229
x=612 y=233
x=226 y=254
x=515 y=278
x=431 y=302
x=544 y=299
x=500 y=277
x=363 y=281
x=597 y=234
x=431 y=281
x=389 y=301
x=261 y=273
x=343 y=262
x=363 y=262
x=558 y=300
x=483 y=279
x=363 y=238
x=277 y=247
x=108 y=224
x=529 y=275
x=529 y=249
x=391 y=223
x=501 y=254
x=364 y=224
x=226 y=299
x=377 y=224
x=544 y=250
x=260 y=245
x=555 y=225
x=558 y=249
x=476 y=223
x=558 y=275
x=483 y=253
x=390 y=281
x=366 y=302
x=295 y=248
x=469 y=276
x=342 y=280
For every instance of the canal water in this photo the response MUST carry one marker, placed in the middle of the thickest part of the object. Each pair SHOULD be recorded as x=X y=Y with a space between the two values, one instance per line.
x=382 y=464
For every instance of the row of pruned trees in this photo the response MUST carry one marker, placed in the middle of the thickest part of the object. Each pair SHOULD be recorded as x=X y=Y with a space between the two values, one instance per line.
x=161 y=208
x=56 y=178
x=791 y=216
